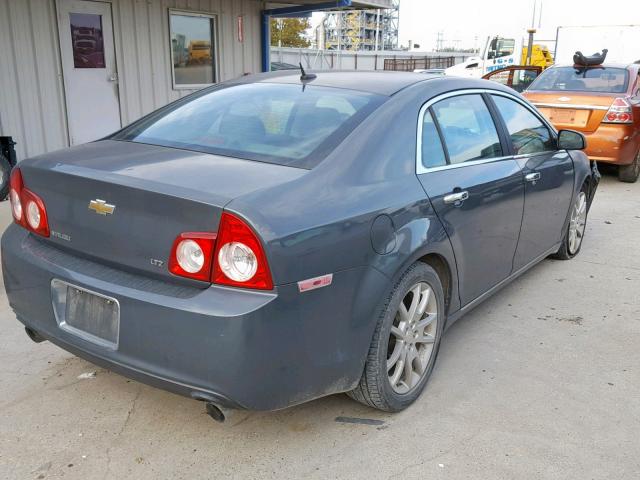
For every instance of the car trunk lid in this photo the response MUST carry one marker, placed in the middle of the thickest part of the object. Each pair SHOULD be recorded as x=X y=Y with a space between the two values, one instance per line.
x=573 y=110
x=125 y=203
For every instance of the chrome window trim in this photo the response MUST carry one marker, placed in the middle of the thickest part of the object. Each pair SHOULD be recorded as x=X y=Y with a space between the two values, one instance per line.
x=420 y=168
x=570 y=106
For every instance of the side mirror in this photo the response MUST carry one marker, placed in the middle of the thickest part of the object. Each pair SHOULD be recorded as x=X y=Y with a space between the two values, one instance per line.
x=571 y=140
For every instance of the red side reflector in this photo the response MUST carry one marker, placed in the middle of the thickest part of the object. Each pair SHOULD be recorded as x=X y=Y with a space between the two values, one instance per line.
x=313 y=283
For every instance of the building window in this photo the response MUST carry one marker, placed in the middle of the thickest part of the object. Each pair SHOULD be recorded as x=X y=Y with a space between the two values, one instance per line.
x=193 y=49
x=86 y=38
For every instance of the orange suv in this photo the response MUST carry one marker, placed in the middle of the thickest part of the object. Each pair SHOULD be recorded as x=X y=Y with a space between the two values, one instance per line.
x=602 y=102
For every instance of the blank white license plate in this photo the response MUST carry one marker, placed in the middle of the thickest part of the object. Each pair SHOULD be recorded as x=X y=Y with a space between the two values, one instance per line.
x=89 y=315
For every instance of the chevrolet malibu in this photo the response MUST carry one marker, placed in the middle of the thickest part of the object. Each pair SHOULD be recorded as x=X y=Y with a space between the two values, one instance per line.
x=279 y=238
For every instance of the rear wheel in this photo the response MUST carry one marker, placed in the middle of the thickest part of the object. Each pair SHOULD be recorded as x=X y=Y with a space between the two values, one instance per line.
x=572 y=241
x=629 y=173
x=405 y=343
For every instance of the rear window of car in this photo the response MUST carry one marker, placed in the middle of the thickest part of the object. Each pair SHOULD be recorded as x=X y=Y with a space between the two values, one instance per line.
x=592 y=79
x=286 y=124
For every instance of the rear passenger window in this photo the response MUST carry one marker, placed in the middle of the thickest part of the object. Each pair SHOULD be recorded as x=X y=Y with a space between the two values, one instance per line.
x=432 y=151
x=528 y=133
x=468 y=129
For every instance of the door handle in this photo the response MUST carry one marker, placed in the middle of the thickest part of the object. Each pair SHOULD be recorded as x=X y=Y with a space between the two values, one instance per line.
x=456 y=197
x=113 y=78
x=532 y=177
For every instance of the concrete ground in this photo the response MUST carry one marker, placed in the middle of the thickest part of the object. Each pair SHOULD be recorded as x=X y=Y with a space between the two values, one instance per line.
x=541 y=381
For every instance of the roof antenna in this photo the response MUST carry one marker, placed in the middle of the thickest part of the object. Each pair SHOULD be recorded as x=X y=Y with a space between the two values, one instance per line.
x=306 y=77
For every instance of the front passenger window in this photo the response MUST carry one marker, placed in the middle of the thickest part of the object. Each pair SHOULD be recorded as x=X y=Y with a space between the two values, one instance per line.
x=468 y=129
x=528 y=134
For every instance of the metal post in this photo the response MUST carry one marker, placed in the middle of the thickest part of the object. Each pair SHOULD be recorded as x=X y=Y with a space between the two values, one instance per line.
x=266 y=42
x=530 y=31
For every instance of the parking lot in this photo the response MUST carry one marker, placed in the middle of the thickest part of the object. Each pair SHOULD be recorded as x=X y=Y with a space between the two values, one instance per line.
x=541 y=381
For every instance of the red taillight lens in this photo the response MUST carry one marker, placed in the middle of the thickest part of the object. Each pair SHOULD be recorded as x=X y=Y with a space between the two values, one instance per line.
x=15 y=192
x=619 y=112
x=234 y=256
x=28 y=208
x=192 y=255
x=239 y=258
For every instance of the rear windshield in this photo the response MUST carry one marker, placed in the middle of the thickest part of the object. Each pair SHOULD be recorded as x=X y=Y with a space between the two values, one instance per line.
x=285 y=124
x=593 y=79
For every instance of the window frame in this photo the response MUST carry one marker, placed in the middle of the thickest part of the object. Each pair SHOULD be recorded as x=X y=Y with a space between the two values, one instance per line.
x=503 y=134
x=215 y=54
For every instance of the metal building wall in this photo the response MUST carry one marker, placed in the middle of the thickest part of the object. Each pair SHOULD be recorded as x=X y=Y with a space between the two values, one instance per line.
x=32 y=104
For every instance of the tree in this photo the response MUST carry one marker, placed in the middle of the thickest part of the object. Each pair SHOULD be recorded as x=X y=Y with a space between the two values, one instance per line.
x=289 y=32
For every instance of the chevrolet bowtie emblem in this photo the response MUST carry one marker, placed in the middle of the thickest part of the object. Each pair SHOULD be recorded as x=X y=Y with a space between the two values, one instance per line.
x=101 y=207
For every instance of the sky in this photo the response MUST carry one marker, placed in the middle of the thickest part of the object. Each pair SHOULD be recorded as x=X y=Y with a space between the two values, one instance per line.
x=467 y=23
x=463 y=20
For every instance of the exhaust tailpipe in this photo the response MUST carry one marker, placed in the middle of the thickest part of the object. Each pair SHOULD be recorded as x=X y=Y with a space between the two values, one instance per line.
x=33 y=335
x=216 y=412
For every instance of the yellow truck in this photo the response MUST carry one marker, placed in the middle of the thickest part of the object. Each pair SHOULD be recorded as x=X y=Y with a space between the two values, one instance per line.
x=540 y=56
x=199 y=51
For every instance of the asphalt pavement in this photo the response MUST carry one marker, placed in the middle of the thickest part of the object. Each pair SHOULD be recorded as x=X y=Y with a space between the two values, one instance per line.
x=542 y=381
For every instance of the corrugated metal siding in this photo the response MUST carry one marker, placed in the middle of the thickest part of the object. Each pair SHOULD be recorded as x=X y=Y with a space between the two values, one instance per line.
x=145 y=72
x=32 y=107
x=31 y=96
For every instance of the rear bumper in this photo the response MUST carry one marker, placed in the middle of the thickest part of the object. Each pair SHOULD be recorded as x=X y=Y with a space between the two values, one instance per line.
x=611 y=143
x=239 y=348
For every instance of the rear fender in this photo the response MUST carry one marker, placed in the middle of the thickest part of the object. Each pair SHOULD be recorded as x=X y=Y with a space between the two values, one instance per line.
x=422 y=235
x=585 y=172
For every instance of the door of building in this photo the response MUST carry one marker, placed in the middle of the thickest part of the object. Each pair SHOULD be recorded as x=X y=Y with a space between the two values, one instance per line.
x=89 y=69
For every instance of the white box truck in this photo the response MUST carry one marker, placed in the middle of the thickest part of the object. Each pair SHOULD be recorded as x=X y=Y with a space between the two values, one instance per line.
x=622 y=41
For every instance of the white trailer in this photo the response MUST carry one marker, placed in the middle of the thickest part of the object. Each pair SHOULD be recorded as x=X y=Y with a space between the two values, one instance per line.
x=622 y=41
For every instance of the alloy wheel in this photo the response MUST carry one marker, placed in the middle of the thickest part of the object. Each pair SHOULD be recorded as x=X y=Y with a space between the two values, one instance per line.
x=577 y=223
x=412 y=338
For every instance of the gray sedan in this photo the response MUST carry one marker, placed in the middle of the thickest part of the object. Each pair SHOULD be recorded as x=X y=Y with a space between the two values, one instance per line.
x=278 y=238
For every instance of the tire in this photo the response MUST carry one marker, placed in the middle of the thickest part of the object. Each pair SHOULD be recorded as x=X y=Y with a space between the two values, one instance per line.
x=5 y=173
x=423 y=329
x=629 y=173
x=578 y=221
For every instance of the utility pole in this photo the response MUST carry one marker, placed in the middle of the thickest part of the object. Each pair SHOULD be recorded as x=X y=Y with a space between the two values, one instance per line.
x=530 y=31
x=439 y=41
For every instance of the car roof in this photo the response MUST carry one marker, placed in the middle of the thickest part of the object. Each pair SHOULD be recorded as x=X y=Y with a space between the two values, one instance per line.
x=377 y=82
x=630 y=66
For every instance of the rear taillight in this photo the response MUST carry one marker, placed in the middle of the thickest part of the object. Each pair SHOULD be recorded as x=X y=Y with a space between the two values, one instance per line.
x=28 y=208
x=15 y=190
x=619 y=112
x=192 y=255
x=240 y=260
x=234 y=256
